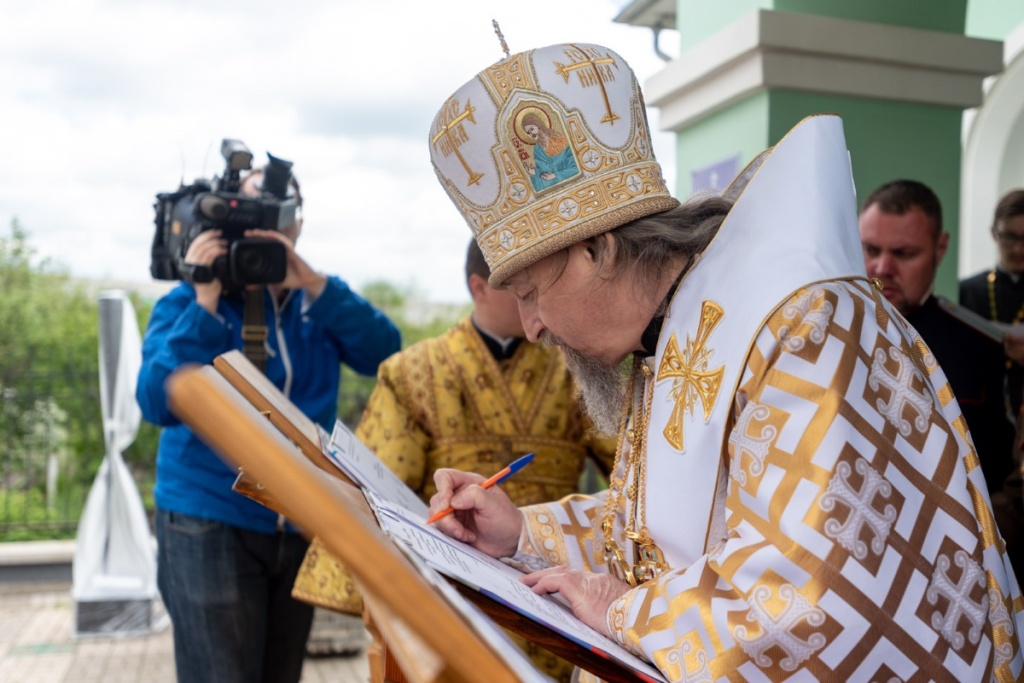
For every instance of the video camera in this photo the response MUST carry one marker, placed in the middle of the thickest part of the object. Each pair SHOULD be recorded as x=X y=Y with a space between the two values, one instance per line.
x=218 y=205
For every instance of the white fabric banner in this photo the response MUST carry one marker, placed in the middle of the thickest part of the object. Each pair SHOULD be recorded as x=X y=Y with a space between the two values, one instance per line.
x=114 y=556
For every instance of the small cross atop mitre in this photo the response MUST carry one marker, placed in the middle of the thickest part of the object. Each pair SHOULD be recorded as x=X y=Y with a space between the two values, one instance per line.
x=501 y=37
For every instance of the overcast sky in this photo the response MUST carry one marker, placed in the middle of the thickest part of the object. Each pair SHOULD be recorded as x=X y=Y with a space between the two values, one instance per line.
x=104 y=103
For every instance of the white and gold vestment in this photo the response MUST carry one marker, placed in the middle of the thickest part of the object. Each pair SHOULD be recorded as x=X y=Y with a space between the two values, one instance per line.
x=797 y=494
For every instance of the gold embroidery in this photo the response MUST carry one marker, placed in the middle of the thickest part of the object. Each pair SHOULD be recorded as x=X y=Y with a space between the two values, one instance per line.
x=593 y=68
x=648 y=561
x=452 y=134
x=536 y=219
x=688 y=619
x=511 y=73
x=692 y=381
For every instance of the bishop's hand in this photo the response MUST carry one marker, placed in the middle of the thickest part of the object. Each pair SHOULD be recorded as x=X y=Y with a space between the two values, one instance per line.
x=484 y=518
x=589 y=595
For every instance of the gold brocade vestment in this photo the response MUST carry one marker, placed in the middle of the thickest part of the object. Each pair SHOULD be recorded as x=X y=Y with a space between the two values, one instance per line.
x=805 y=472
x=830 y=554
x=447 y=402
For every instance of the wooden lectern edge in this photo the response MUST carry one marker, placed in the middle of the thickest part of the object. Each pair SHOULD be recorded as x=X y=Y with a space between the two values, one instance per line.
x=203 y=399
x=247 y=486
x=416 y=660
x=233 y=367
x=226 y=366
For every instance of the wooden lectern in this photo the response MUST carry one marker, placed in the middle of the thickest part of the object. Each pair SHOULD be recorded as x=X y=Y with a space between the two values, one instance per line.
x=417 y=635
x=429 y=640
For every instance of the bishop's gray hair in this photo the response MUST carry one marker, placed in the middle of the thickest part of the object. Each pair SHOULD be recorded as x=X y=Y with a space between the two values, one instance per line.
x=648 y=246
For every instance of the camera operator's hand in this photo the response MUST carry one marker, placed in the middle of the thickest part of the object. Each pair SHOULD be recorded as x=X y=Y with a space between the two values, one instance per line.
x=300 y=275
x=206 y=247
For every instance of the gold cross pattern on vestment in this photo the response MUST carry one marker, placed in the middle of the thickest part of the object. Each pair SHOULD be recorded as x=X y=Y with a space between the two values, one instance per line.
x=452 y=134
x=688 y=370
x=592 y=70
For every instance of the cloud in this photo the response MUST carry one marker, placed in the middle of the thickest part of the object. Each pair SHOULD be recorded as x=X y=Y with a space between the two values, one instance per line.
x=105 y=103
x=403 y=119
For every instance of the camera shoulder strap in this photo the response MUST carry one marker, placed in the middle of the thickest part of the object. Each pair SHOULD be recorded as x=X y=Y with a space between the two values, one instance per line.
x=254 y=329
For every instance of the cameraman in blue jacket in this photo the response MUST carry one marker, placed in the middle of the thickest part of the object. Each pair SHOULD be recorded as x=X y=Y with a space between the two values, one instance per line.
x=226 y=564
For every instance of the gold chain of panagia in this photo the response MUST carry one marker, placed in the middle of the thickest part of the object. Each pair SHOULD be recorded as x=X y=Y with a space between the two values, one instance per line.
x=636 y=517
x=636 y=528
x=614 y=556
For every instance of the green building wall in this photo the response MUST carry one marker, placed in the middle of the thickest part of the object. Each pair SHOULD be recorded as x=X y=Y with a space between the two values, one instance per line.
x=887 y=139
x=699 y=20
x=993 y=18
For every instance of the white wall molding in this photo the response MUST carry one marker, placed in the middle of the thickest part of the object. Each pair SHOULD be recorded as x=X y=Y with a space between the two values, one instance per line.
x=993 y=149
x=766 y=49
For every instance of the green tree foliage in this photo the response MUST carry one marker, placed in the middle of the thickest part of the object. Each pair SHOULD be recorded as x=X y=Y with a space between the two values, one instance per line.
x=40 y=312
x=51 y=433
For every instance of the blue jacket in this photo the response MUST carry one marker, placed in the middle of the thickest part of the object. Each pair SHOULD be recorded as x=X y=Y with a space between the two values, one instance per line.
x=306 y=348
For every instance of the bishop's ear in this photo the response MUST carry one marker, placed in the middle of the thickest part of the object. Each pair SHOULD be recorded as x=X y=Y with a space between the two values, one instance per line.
x=601 y=251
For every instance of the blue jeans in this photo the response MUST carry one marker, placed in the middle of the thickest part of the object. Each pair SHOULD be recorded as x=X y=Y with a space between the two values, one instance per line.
x=228 y=593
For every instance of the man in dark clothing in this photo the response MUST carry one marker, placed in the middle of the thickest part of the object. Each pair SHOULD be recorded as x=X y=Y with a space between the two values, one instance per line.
x=998 y=293
x=901 y=232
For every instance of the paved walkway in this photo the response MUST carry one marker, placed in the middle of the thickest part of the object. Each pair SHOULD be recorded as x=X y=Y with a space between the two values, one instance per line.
x=37 y=645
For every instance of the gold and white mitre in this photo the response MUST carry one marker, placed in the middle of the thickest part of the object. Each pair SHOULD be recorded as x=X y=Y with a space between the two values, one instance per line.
x=794 y=224
x=546 y=148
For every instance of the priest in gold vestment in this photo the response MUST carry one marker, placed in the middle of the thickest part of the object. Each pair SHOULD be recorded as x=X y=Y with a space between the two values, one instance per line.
x=478 y=397
x=796 y=495
x=475 y=398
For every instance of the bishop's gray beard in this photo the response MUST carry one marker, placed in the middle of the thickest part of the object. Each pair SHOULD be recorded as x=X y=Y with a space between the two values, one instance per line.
x=601 y=388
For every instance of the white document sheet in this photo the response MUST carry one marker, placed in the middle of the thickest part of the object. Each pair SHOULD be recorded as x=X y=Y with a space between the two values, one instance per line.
x=478 y=621
x=496 y=580
x=366 y=469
